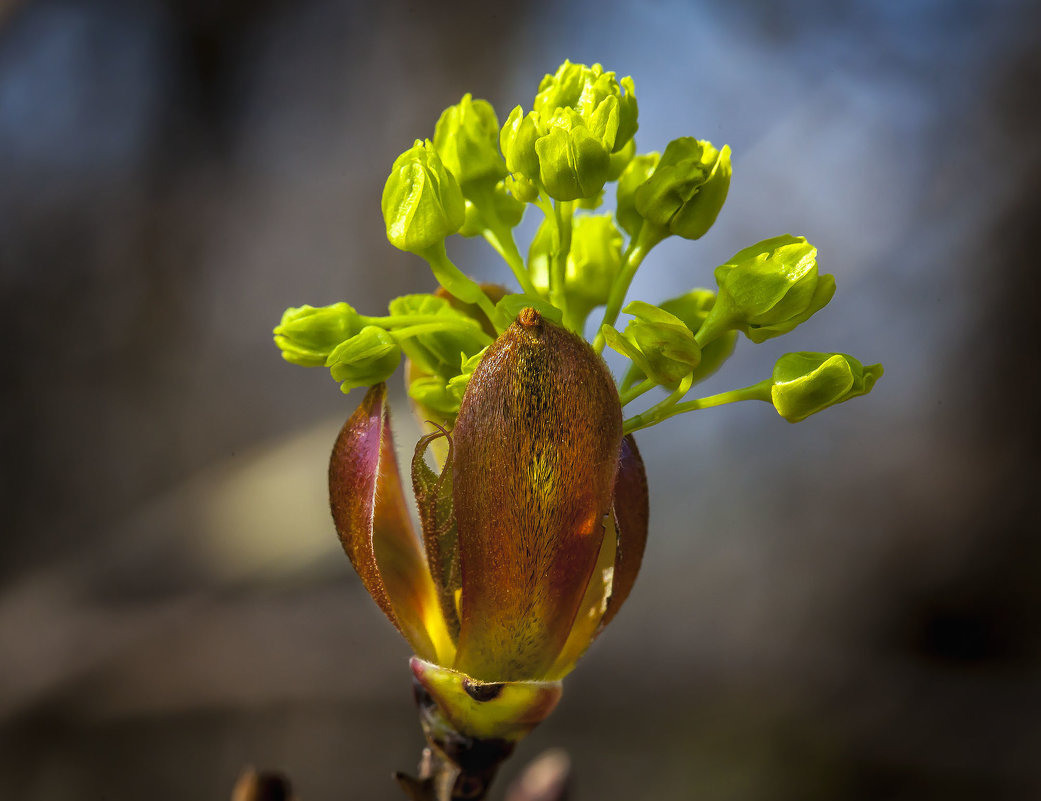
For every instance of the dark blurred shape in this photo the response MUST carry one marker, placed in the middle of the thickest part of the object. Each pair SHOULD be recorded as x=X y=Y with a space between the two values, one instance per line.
x=264 y=786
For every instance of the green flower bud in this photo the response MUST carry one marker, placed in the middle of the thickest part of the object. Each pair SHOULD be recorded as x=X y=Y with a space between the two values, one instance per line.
x=466 y=138
x=517 y=140
x=573 y=163
x=692 y=308
x=422 y=202
x=806 y=383
x=687 y=188
x=607 y=108
x=307 y=335
x=494 y=204
x=366 y=359
x=659 y=343
x=768 y=289
x=593 y=262
x=635 y=173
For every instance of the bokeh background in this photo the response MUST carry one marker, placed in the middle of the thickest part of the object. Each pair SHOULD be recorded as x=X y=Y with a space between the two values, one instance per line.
x=848 y=608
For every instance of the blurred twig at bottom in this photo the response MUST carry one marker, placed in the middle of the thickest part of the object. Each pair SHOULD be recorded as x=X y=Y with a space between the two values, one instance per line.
x=547 y=778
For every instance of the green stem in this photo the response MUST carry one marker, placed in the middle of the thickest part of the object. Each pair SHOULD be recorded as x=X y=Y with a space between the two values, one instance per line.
x=648 y=236
x=653 y=416
x=456 y=282
x=506 y=247
x=563 y=212
x=429 y=328
x=500 y=236
x=628 y=395
x=392 y=321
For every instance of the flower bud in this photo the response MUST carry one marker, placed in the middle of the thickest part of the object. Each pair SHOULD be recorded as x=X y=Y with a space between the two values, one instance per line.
x=466 y=138
x=366 y=359
x=422 y=202
x=307 y=335
x=517 y=140
x=657 y=342
x=768 y=289
x=573 y=162
x=692 y=308
x=606 y=106
x=593 y=262
x=687 y=188
x=635 y=173
x=806 y=383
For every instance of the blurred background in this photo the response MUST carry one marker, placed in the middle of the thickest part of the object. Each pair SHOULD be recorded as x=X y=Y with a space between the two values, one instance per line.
x=848 y=608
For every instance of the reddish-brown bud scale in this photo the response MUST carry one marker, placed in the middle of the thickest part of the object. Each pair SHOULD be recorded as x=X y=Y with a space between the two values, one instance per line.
x=536 y=451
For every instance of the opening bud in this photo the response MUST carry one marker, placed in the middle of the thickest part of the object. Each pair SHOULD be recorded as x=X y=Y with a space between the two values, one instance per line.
x=687 y=188
x=659 y=343
x=606 y=106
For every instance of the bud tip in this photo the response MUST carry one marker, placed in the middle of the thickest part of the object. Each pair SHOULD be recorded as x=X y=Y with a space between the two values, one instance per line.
x=529 y=317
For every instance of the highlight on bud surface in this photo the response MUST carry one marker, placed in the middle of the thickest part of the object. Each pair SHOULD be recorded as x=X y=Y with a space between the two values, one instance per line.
x=532 y=530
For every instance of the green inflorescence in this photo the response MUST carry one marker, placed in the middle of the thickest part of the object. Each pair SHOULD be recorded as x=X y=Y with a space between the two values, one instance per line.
x=475 y=178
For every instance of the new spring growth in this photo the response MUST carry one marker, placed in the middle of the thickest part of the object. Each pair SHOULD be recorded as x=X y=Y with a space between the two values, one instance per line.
x=687 y=189
x=306 y=335
x=534 y=520
x=580 y=117
x=768 y=289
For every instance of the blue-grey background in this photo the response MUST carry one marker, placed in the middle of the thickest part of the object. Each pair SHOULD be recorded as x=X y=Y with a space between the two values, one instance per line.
x=848 y=608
